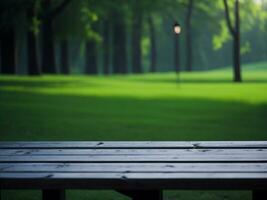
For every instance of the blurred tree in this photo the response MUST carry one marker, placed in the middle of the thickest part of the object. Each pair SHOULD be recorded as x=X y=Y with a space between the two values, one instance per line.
x=105 y=14
x=65 y=26
x=138 y=33
x=137 y=23
x=64 y=57
x=33 y=29
x=48 y=46
x=78 y=22
x=119 y=41
x=9 y=10
x=91 y=30
x=106 y=45
x=196 y=14
x=8 y=51
x=235 y=32
x=152 y=9
x=153 y=44
x=91 y=57
x=188 y=34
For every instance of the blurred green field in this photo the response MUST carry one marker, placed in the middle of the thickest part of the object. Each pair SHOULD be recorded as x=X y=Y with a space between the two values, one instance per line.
x=191 y=106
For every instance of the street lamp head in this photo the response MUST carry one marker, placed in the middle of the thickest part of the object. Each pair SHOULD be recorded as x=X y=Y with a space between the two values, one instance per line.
x=177 y=28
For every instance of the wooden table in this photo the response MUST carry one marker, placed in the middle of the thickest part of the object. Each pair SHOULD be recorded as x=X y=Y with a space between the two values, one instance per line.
x=140 y=170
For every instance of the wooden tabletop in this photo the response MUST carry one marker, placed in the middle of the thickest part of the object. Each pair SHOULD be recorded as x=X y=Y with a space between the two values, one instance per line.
x=133 y=165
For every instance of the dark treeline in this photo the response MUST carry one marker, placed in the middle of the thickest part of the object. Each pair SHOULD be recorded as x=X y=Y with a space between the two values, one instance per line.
x=127 y=36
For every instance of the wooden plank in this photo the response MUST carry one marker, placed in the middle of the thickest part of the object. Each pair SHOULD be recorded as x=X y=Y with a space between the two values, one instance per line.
x=125 y=176
x=135 y=158
x=134 y=167
x=132 y=145
x=53 y=152
x=134 y=180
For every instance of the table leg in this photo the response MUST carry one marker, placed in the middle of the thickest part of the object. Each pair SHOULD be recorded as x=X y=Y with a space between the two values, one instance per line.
x=259 y=194
x=53 y=194
x=143 y=194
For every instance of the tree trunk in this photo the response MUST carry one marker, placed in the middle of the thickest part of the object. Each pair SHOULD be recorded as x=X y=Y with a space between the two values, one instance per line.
x=236 y=43
x=8 y=51
x=119 y=43
x=106 y=42
x=91 y=57
x=177 y=67
x=153 y=47
x=189 y=57
x=136 y=39
x=48 y=50
x=64 y=57
x=235 y=32
x=33 y=64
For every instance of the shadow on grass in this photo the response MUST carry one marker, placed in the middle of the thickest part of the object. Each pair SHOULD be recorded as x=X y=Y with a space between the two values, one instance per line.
x=33 y=116
x=44 y=83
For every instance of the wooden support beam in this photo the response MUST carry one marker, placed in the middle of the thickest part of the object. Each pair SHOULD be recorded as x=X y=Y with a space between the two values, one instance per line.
x=259 y=194
x=143 y=194
x=53 y=194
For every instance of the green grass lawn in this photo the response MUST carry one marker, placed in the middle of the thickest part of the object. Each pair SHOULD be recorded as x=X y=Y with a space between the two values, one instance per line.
x=199 y=106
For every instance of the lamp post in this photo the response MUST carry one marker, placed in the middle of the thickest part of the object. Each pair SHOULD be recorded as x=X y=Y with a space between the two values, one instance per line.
x=177 y=28
x=177 y=31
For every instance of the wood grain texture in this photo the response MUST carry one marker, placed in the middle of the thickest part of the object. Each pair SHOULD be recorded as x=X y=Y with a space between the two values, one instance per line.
x=136 y=158
x=77 y=152
x=133 y=165
x=130 y=145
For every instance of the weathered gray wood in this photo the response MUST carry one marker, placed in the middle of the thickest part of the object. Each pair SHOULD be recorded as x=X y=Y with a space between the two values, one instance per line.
x=75 y=152
x=134 y=167
x=53 y=194
x=143 y=194
x=259 y=194
x=135 y=158
x=127 y=175
x=132 y=145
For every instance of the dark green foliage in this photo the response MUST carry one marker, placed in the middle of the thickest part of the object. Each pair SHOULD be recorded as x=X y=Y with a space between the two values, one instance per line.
x=129 y=36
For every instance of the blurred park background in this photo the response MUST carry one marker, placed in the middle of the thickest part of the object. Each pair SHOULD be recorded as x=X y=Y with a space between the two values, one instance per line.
x=116 y=70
